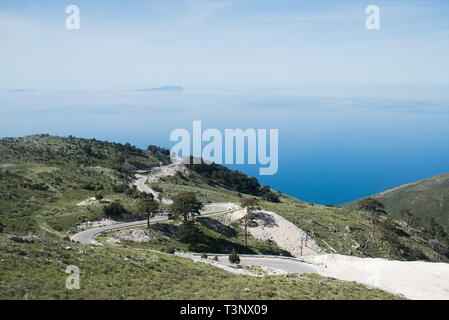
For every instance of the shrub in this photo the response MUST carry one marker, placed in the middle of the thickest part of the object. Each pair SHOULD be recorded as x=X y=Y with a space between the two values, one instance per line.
x=169 y=249
x=120 y=188
x=157 y=188
x=189 y=233
x=272 y=197
x=158 y=150
x=88 y=186
x=114 y=209
x=131 y=191
x=234 y=257
x=371 y=205
x=39 y=186
x=185 y=204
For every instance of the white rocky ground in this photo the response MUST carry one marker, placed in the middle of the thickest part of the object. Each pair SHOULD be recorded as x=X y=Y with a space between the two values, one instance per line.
x=158 y=173
x=414 y=279
x=95 y=224
x=273 y=227
x=135 y=235
x=167 y=171
x=92 y=201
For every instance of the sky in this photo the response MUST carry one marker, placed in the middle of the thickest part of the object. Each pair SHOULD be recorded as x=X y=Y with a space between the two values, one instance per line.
x=133 y=44
x=247 y=64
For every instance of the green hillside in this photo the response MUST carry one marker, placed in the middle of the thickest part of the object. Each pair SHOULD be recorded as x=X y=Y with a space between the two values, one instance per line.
x=428 y=198
x=37 y=271
x=45 y=179
x=42 y=178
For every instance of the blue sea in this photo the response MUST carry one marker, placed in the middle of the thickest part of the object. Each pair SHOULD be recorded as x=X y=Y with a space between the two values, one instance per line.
x=332 y=148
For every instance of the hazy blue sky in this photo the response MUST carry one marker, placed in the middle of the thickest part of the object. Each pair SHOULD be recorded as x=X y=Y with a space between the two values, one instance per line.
x=134 y=44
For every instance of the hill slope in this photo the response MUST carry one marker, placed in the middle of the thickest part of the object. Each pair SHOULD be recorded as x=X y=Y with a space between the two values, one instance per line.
x=37 y=271
x=425 y=198
x=45 y=186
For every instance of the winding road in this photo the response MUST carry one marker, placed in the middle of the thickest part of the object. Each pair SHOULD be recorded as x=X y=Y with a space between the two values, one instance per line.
x=141 y=186
x=88 y=236
x=414 y=280
x=284 y=266
x=278 y=264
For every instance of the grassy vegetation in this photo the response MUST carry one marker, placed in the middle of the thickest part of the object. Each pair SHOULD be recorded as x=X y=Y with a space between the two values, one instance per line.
x=347 y=231
x=43 y=178
x=52 y=198
x=170 y=186
x=37 y=271
x=351 y=232
x=426 y=199
x=52 y=150
x=217 y=175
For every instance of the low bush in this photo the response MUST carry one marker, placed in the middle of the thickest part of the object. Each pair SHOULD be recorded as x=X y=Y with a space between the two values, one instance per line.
x=234 y=257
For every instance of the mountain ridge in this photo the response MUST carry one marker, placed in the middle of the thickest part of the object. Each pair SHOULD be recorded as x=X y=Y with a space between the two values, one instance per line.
x=426 y=198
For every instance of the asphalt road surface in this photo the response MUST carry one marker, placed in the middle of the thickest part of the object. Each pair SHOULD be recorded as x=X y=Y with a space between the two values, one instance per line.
x=283 y=265
x=280 y=265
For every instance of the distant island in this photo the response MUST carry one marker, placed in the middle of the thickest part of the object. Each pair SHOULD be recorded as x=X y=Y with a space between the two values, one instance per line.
x=163 y=88
x=21 y=90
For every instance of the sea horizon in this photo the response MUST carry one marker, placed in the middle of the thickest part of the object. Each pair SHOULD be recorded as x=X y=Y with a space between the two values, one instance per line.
x=332 y=149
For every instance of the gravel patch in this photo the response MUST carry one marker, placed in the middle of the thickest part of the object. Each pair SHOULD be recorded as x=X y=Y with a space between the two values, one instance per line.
x=273 y=227
x=134 y=235
x=413 y=279
x=95 y=224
